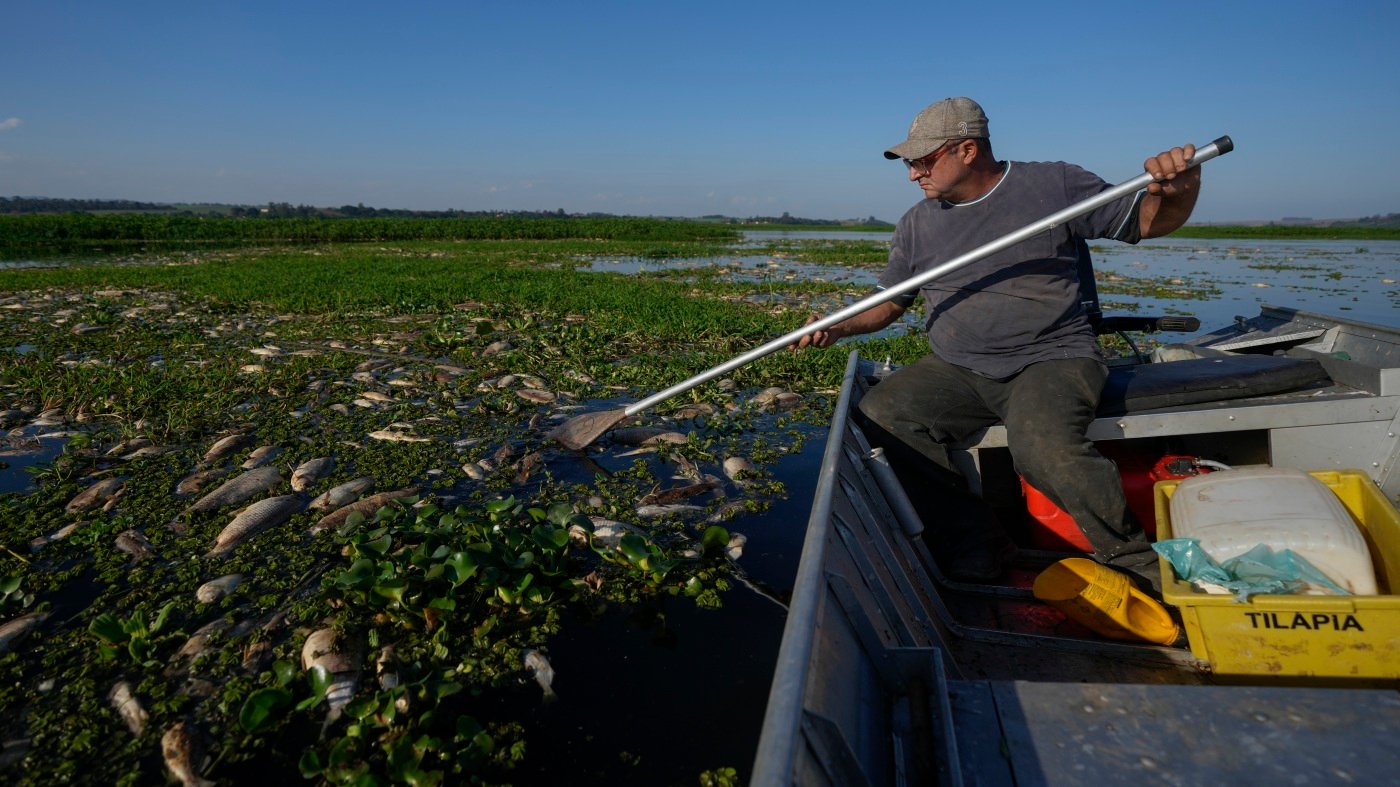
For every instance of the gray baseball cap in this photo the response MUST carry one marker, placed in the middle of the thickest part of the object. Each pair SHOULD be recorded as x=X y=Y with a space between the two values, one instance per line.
x=951 y=118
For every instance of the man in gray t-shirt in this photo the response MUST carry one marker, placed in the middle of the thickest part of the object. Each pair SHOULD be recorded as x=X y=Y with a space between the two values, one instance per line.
x=1011 y=342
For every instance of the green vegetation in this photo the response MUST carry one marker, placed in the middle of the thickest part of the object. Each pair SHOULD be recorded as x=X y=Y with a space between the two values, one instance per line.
x=76 y=231
x=283 y=346
x=1288 y=232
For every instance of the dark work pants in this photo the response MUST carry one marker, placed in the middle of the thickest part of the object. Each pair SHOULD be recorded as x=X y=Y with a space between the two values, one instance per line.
x=932 y=404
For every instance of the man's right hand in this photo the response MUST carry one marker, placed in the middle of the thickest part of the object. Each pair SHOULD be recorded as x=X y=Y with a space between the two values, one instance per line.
x=824 y=338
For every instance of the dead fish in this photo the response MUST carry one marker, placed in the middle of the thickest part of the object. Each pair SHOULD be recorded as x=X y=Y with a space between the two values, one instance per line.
x=147 y=451
x=238 y=489
x=646 y=435
x=309 y=471
x=134 y=543
x=384 y=668
x=473 y=471
x=651 y=511
x=184 y=755
x=215 y=589
x=606 y=532
x=676 y=493
x=17 y=629
x=192 y=483
x=127 y=446
x=261 y=456
x=737 y=469
x=366 y=506
x=495 y=348
x=196 y=645
x=536 y=395
x=395 y=436
x=766 y=397
x=526 y=466
x=735 y=548
x=323 y=648
x=254 y=519
x=128 y=707
x=543 y=672
x=57 y=535
x=376 y=396
x=95 y=496
x=337 y=496
x=225 y=446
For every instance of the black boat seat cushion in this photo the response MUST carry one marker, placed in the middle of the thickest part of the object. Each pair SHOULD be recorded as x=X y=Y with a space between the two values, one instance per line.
x=1156 y=385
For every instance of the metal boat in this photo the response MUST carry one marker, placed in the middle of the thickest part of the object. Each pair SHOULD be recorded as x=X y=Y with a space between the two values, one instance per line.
x=891 y=673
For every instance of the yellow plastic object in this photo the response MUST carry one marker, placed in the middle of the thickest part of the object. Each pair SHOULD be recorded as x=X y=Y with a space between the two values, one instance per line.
x=1300 y=635
x=1105 y=601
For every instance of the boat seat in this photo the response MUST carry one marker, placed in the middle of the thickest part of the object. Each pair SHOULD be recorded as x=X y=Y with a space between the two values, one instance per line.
x=1152 y=386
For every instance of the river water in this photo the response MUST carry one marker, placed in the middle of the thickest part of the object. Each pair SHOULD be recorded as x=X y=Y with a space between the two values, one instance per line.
x=1218 y=279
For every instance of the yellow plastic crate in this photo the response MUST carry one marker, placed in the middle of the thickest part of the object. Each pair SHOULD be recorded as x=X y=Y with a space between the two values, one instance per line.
x=1325 y=636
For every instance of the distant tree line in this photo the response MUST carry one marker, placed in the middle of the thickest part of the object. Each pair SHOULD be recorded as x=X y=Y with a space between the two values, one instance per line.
x=52 y=205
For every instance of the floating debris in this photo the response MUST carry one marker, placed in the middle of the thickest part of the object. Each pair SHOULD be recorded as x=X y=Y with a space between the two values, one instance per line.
x=536 y=662
x=254 y=519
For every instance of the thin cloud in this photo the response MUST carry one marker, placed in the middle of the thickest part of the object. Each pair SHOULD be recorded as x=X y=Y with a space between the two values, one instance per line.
x=10 y=124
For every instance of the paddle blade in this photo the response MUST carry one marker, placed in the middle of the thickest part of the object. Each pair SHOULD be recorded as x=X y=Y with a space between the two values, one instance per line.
x=581 y=430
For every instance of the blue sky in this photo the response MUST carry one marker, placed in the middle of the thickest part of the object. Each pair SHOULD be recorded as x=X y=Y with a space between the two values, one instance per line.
x=684 y=109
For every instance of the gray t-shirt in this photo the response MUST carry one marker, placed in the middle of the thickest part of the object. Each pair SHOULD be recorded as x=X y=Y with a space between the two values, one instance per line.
x=1020 y=305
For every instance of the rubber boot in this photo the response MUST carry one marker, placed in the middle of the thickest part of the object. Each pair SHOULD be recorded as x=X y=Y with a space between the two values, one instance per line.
x=1105 y=601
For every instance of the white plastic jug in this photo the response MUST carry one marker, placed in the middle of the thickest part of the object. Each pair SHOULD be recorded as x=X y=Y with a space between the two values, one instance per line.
x=1232 y=511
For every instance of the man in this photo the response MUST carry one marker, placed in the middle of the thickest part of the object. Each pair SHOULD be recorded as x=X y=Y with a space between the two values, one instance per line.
x=1011 y=342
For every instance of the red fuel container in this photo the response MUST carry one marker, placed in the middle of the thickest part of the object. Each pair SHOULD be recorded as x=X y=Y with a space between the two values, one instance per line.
x=1053 y=529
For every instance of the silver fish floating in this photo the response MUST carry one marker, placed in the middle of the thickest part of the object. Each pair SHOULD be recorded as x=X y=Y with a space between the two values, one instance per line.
x=17 y=629
x=308 y=472
x=254 y=519
x=192 y=483
x=225 y=446
x=343 y=494
x=215 y=589
x=134 y=543
x=95 y=496
x=261 y=456
x=366 y=506
x=342 y=660
x=395 y=436
x=184 y=755
x=129 y=708
x=238 y=489
x=536 y=662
